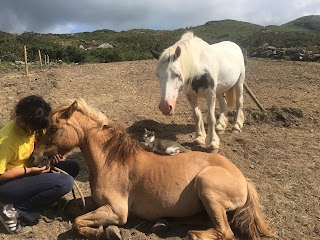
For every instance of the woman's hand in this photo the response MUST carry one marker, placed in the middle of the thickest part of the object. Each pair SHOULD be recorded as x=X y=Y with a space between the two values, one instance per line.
x=37 y=170
x=57 y=158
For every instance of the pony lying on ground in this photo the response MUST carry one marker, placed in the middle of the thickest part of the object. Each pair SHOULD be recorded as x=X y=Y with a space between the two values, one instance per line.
x=125 y=178
x=203 y=70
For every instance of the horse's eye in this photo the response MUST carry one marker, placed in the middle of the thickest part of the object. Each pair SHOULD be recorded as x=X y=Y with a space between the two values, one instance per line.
x=177 y=75
x=53 y=129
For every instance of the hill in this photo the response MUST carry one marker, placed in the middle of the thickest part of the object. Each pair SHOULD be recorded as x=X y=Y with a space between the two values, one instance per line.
x=110 y=46
x=311 y=22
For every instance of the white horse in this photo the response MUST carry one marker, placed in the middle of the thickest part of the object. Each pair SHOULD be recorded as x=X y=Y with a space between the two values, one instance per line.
x=203 y=70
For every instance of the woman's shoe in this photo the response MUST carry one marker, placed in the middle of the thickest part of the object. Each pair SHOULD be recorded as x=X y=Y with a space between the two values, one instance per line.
x=9 y=218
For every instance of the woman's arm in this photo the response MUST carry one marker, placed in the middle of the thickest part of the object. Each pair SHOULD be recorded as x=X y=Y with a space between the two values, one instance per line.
x=19 y=172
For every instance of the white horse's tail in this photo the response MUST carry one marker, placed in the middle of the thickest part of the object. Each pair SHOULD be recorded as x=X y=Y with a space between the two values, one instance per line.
x=245 y=56
x=231 y=97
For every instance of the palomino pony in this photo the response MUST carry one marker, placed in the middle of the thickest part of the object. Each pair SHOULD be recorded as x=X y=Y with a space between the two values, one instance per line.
x=203 y=70
x=125 y=178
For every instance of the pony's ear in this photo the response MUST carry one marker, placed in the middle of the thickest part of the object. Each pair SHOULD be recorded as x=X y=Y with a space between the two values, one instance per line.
x=177 y=53
x=70 y=110
x=155 y=54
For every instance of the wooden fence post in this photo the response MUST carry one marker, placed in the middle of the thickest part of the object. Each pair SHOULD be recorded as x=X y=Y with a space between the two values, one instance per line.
x=26 y=60
x=253 y=97
x=40 y=59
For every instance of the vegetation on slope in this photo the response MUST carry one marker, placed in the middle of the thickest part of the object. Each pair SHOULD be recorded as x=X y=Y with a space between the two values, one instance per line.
x=135 y=44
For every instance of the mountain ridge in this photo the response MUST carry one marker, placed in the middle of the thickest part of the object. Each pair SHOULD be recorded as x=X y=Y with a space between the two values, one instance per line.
x=134 y=44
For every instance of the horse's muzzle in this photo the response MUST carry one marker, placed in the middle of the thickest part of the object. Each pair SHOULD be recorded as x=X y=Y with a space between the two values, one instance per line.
x=166 y=109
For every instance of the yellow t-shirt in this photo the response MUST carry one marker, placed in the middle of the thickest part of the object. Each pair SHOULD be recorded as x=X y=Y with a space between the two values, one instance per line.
x=15 y=146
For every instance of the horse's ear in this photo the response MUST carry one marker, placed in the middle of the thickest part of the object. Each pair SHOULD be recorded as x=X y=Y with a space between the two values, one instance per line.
x=155 y=54
x=177 y=53
x=70 y=110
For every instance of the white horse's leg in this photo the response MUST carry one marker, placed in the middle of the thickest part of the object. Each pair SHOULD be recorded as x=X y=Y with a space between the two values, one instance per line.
x=239 y=104
x=197 y=117
x=223 y=120
x=213 y=139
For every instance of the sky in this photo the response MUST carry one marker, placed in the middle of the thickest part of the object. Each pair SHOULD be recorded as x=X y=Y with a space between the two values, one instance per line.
x=71 y=16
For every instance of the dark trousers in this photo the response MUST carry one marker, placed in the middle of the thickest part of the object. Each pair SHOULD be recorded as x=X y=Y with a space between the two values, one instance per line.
x=33 y=194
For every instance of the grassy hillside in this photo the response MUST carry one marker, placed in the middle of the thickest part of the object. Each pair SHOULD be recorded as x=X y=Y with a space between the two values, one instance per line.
x=311 y=22
x=134 y=44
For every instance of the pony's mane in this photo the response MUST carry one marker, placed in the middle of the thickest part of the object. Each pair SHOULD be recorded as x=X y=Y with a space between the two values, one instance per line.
x=84 y=108
x=185 y=43
x=121 y=146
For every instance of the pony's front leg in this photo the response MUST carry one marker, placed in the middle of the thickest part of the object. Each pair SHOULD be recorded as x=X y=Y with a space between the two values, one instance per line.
x=197 y=117
x=213 y=139
x=91 y=225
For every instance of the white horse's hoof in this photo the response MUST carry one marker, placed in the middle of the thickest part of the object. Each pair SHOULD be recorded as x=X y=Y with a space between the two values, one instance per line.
x=235 y=131
x=220 y=128
x=212 y=149
x=199 y=142
x=220 y=132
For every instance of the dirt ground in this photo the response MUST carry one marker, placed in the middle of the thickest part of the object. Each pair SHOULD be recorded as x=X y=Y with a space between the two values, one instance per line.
x=279 y=149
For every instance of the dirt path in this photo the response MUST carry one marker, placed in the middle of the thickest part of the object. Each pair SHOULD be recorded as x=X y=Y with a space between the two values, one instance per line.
x=278 y=150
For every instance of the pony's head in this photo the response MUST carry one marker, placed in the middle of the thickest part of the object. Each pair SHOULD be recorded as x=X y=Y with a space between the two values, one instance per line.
x=66 y=129
x=60 y=137
x=171 y=71
x=79 y=125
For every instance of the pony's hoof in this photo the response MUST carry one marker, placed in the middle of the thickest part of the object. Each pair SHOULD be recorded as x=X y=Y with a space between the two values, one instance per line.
x=113 y=232
x=160 y=227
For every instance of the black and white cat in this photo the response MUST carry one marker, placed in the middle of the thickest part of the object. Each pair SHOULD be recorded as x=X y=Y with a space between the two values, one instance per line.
x=162 y=146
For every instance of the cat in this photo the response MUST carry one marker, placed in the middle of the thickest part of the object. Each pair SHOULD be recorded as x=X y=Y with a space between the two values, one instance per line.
x=162 y=146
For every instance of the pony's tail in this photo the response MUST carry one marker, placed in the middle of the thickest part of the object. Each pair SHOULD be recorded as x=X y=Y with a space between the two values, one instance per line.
x=248 y=221
x=231 y=97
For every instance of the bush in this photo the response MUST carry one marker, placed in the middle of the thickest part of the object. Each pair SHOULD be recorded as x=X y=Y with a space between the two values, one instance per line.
x=74 y=54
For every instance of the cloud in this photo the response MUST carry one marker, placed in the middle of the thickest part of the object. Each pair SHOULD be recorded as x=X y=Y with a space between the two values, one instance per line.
x=68 y=16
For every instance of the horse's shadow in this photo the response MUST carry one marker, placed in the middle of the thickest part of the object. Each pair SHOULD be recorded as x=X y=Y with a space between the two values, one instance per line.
x=165 y=131
x=162 y=130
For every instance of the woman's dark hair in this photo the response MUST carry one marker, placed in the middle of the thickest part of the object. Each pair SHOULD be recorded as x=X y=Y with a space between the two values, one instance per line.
x=34 y=111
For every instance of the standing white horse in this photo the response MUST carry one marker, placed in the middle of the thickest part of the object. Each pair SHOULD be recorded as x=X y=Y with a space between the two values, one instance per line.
x=203 y=70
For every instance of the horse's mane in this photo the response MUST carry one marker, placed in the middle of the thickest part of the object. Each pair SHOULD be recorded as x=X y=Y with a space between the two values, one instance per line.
x=84 y=108
x=185 y=43
x=121 y=146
